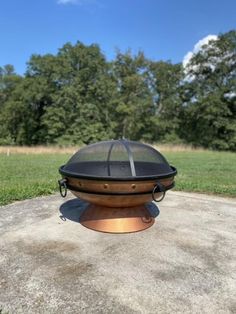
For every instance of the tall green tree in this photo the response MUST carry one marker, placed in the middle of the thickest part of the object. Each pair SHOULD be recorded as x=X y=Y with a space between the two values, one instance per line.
x=133 y=103
x=166 y=78
x=9 y=81
x=209 y=95
x=81 y=110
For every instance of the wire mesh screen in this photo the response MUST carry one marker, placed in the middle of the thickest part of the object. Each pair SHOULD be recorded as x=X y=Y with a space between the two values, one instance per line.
x=118 y=159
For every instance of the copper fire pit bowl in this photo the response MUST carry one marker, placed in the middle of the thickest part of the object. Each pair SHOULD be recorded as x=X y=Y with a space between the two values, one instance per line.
x=118 y=178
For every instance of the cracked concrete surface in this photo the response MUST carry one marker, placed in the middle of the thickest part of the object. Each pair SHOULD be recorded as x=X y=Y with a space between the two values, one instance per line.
x=185 y=263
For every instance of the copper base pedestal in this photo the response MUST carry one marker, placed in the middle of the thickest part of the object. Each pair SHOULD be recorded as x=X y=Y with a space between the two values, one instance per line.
x=116 y=219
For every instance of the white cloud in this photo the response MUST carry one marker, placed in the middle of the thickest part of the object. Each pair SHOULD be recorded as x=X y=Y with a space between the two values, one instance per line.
x=187 y=58
x=70 y=2
x=197 y=47
x=230 y=95
x=80 y=2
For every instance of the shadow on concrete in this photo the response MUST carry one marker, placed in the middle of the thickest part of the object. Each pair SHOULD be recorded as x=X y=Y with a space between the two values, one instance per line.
x=153 y=209
x=73 y=209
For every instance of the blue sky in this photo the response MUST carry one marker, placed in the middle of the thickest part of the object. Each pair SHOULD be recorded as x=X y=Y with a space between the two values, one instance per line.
x=164 y=30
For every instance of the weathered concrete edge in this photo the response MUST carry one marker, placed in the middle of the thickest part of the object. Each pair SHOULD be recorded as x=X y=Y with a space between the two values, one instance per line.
x=207 y=197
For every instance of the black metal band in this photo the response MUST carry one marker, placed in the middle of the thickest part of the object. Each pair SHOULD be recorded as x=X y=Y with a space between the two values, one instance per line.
x=71 y=174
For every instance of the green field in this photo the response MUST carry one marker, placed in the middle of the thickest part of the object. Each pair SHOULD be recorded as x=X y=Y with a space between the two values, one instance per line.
x=26 y=175
x=205 y=171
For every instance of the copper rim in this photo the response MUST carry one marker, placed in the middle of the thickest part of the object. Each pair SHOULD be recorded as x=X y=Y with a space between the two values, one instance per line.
x=116 y=187
x=116 y=200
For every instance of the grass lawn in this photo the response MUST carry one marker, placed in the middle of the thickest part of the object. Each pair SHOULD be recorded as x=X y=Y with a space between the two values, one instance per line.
x=28 y=175
x=205 y=171
x=24 y=176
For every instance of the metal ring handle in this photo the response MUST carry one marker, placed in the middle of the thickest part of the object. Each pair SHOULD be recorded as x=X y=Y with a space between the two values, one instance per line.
x=62 y=185
x=161 y=188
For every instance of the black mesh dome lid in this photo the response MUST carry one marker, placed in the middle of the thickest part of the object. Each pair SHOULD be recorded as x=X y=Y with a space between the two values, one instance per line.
x=118 y=160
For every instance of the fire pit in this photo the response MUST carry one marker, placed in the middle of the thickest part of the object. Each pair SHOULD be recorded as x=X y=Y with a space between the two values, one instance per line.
x=118 y=178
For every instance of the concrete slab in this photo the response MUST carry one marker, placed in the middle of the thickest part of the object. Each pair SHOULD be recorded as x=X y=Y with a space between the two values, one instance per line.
x=185 y=263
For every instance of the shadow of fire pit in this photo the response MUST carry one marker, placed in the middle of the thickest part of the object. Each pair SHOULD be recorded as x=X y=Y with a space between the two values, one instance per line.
x=73 y=210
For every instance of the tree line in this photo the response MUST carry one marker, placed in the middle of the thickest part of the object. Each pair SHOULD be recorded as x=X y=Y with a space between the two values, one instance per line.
x=77 y=96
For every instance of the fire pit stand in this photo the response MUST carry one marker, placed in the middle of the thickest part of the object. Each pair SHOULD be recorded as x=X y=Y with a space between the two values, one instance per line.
x=118 y=178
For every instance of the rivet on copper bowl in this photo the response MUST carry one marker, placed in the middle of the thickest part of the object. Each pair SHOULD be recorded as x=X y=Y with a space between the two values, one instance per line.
x=119 y=179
